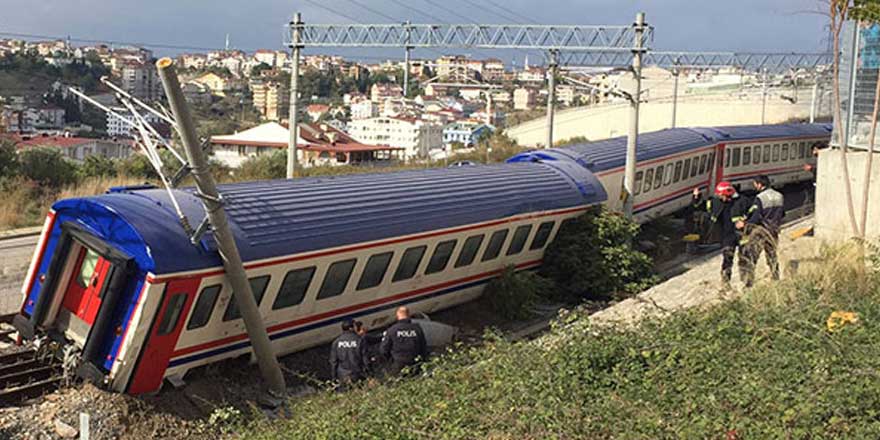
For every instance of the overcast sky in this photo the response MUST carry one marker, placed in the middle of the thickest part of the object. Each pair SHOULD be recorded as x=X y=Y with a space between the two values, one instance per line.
x=711 y=25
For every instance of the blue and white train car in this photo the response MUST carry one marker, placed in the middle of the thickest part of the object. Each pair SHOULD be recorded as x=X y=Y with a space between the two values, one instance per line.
x=115 y=277
x=672 y=162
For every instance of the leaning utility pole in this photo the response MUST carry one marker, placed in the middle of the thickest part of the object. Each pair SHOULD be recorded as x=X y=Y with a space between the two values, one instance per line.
x=216 y=215
x=551 y=94
x=293 y=116
x=406 y=52
x=675 y=72
x=632 y=139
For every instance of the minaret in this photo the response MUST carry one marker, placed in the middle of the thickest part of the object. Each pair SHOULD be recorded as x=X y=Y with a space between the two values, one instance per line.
x=526 y=63
x=227 y=42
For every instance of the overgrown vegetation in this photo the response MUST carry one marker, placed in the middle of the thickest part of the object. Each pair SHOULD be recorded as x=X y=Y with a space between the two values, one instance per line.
x=514 y=294
x=593 y=256
x=766 y=365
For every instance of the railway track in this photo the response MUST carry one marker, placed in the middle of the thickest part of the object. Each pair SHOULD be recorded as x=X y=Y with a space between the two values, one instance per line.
x=26 y=375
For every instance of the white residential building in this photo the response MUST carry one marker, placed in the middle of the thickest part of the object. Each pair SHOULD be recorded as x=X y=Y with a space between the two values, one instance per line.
x=116 y=127
x=415 y=136
x=364 y=110
x=523 y=99
x=141 y=81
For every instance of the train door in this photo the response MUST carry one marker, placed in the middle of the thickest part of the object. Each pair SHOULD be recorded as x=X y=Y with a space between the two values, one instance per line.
x=83 y=296
x=163 y=336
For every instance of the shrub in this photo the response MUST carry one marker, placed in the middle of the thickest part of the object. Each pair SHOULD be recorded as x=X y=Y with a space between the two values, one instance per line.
x=593 y=256
x=513 y=294
x=97 y=166
x=9 y=164
x=47 y=167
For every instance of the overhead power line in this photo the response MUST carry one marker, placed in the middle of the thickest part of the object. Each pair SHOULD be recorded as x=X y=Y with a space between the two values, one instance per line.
x=511 y=12
x=111 y=42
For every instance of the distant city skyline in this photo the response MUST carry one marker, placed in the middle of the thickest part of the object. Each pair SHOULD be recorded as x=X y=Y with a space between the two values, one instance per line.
x=750 y=25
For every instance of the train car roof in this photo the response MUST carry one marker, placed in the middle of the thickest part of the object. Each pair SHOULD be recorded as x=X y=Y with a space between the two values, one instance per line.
x=283 y=217
x=609 y=154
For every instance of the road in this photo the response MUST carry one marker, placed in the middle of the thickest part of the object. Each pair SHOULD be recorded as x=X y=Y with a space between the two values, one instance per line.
x=15 y=255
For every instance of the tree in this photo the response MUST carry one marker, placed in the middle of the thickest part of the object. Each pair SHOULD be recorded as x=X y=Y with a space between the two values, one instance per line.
x=255 y=71
x=9 y=164
x=97 y=166
x=47 y=167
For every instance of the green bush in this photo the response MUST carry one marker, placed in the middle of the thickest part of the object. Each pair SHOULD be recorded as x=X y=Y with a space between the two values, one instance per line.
x=97 y=166
x=593 y=257
x=47 y=167
x=9 y=163
x=514 y=294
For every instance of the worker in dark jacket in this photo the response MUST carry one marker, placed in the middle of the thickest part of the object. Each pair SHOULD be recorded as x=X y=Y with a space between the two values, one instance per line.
x=728 y=210
x=371 y=343
x=764 y=221
x=347 y=357
x=404 y=342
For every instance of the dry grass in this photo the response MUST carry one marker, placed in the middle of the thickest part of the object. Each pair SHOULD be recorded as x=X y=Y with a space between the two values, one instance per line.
x=24 y=203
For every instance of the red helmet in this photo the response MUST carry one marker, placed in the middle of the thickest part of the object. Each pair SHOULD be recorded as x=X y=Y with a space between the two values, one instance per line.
x=724 y=189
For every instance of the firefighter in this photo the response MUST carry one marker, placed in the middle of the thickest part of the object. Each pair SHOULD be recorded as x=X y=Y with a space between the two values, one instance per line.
x=764 y=221
x=347 y=357
x=404 y=342
x=728 y=210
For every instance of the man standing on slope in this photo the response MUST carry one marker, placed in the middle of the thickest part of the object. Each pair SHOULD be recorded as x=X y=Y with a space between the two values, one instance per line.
x=728 y=210
x=404 y=342
x=347 y=357
x=764 y=222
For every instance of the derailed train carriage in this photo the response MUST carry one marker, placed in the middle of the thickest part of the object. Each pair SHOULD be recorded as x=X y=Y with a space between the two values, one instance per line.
x=115 y=280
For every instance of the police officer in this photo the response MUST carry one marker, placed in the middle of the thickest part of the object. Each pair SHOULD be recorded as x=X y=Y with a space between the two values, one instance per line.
x=764 y=221
x=347 y=357
x=727 y=210
x=404 y=342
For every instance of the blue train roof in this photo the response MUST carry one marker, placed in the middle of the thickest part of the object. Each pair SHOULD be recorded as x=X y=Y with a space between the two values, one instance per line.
x=611 y=153
x=283 y=217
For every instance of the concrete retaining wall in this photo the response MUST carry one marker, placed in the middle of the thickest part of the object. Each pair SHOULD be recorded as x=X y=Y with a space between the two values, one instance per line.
x=832 y=214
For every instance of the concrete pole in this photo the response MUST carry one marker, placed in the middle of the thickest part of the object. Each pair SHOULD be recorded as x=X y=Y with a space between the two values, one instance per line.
x=632 y=139
x=675 y=72
x=406 y=61
x=226 y=246
x=764 y=98
x=551 y=95
x=293 y=114
x=813 y=101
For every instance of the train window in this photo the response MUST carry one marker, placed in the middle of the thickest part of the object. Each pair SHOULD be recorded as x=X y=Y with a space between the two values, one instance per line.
x=775 y=152
x=677 y=172
x=734 y=162
x=702 y=164
x=658 y=177
x=687 y=168
x=293 y=288
x=258 y=286
x=802 y=150
x=667 y=174
x=201 y=313
x=374 y=270
x=784 y=151
x=469 y=251
x=710 y=161
x=441 y=256
x=336 y=279
x=494 y=246
x=172 y=314
x=727 y=157
x=747 y=155
x=519 y=239
x=756 y=157
x=649 y=179
x=87 y=268
x=766 y=153
x=695 y=167
x=638 y=185
x=409 y=263
x=542 y=235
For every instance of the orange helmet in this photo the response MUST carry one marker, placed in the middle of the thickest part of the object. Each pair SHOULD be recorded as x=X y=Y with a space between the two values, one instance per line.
x=724 y=189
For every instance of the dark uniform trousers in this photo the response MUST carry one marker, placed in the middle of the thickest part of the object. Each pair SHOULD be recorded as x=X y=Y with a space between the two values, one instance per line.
x=766 y=240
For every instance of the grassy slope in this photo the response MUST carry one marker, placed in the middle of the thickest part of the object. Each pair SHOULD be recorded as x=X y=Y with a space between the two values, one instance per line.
x=764 y=366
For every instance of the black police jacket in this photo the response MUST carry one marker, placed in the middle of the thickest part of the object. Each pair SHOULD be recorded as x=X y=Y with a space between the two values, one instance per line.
x=347 y=356
x=404 y=342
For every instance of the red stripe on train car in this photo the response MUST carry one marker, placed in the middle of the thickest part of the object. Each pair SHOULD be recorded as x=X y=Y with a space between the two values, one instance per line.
x=347 y=309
